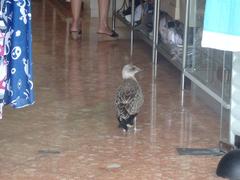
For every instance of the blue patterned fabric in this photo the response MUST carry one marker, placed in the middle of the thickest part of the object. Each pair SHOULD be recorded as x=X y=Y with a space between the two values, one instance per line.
x=16 y=52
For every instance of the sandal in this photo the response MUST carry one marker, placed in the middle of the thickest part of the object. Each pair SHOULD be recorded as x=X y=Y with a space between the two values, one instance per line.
x=76 y=34
x=105 y=36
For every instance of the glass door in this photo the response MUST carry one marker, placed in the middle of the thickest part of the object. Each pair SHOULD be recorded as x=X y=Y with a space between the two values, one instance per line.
x=207 y=68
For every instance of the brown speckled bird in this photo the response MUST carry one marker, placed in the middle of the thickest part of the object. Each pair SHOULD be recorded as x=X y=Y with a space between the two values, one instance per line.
x=129 y=97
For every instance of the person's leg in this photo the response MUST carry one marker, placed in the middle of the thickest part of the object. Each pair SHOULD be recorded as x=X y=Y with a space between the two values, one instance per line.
x=103 y=6
x=76 y=11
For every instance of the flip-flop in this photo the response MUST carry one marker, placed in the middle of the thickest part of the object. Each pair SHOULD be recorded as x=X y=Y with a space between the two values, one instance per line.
x=76 y=34
x=105 y=36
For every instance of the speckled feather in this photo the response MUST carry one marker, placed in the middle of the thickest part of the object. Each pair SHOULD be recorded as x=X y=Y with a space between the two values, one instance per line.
x=129 y=99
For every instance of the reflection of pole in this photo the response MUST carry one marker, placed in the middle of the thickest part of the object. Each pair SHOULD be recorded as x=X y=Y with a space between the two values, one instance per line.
x=155 y=36
x=222 y=96
x=186 y=128
x=182 y=99
x=186 y=123
x=113 y=15
x=43 y=19
x=185 y=43
x=182 y=128
x=68 y=22
x=153 y=110
x=54 y=29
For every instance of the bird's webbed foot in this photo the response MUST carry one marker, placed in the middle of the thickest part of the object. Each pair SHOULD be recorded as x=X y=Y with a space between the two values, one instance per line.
x=123 y=125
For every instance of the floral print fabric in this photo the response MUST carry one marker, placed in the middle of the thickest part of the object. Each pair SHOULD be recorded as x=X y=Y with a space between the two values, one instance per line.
x=16 y=81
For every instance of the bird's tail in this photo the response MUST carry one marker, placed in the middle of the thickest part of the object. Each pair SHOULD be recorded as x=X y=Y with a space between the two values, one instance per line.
x=123 y=123
x=130 y=120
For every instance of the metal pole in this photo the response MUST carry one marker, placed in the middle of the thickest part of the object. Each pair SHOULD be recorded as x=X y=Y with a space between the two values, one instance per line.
x=155 y=36
x=132 y=27
x=185 y=43
x=113 y=15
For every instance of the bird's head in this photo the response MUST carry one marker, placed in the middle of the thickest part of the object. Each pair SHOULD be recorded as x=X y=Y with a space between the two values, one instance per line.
x=129 y=71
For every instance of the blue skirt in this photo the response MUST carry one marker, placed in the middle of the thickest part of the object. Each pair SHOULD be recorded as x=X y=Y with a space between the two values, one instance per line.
x=16 y=77
x=222 y=25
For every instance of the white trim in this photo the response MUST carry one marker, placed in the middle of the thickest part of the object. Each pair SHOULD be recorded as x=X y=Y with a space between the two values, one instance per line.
x=221 y=41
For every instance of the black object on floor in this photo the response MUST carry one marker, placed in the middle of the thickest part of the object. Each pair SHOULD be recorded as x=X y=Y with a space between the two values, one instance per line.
x=237 y=141
x=199 y=151
x=48 y=151
x=229 y=165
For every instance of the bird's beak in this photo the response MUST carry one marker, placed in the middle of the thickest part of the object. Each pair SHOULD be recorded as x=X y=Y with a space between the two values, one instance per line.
x=139 y=70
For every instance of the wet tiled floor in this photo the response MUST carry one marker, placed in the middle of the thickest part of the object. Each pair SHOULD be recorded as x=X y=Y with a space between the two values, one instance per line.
x=71 y=132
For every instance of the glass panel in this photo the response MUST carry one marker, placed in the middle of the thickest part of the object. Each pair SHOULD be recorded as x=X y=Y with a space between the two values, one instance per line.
x=209 y=66
x=235 y=99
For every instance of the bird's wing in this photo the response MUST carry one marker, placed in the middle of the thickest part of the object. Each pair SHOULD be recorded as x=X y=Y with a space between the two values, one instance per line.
x=129 y=99
x=121 y=101
x=136 y=101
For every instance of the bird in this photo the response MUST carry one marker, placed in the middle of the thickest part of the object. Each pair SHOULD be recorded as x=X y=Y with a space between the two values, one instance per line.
x=129 y=98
